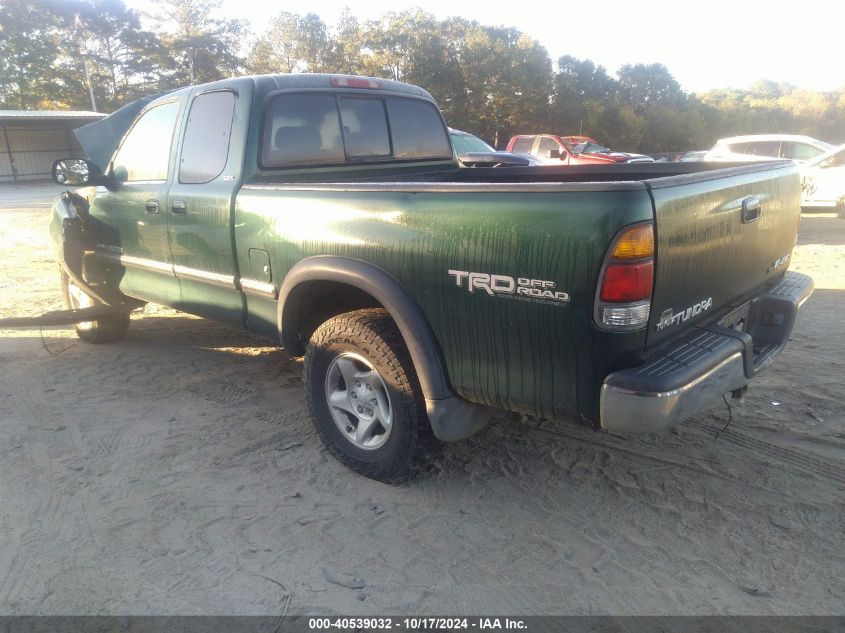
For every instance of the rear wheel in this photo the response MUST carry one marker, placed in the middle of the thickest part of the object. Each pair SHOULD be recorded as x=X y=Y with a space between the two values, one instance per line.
x=364 y=395
x=106 y=329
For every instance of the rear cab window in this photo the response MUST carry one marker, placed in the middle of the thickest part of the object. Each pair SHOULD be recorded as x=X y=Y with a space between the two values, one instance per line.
x=328 y=128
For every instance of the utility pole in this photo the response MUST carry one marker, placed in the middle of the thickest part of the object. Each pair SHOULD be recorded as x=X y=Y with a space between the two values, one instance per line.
x=88 y=81
x=84 y=55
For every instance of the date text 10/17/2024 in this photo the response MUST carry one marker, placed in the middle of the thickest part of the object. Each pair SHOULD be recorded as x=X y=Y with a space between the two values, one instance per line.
x=417 y=624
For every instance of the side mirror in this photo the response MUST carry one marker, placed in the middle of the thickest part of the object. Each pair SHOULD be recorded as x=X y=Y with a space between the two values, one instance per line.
x=76 y=172
x=554 y=153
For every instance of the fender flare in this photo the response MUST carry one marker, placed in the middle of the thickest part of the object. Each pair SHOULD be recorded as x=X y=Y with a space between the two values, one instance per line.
x=451 y=416
x=388 y=291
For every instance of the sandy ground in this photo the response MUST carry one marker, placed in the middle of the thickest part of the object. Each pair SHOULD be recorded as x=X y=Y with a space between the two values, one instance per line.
x=176 y=472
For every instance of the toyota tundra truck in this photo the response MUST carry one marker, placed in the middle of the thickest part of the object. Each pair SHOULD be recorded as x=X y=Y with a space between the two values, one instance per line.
x=328 y=213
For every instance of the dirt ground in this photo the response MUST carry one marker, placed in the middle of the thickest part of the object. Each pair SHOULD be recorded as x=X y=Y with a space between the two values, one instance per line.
x=176 y=472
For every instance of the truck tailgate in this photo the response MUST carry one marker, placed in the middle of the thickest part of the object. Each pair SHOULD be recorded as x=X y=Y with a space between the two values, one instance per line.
x=719 y=235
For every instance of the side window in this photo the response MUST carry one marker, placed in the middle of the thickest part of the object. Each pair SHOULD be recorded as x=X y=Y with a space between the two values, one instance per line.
x=145 y=151
x=523 y=145
x=414 y=125
x=800 y=151
x=364 y=127
x=205 y=147
x=546 y=145
x=301 y=128
x=769 y=149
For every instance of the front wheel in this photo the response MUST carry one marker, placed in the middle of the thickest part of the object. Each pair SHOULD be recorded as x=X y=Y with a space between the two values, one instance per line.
x=364 y=395
x=106 y=329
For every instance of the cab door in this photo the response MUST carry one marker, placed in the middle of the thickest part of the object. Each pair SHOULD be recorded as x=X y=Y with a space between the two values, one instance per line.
x=200 y=205
x=131 y=210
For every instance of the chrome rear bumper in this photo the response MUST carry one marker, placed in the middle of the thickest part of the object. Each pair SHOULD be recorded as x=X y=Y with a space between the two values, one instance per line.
x=707 y=362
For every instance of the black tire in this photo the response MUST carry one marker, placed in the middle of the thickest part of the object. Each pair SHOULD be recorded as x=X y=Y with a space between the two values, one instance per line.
x=106 y=329
x=373 y=336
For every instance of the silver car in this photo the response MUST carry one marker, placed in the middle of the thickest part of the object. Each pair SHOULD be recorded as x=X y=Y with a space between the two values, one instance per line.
x=767 y=147
x=823 y=179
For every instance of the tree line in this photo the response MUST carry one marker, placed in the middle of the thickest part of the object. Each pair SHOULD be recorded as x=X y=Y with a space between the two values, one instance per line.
x=491 y=81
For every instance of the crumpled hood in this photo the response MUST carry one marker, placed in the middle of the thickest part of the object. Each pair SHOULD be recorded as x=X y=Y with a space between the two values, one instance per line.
x=101 y=138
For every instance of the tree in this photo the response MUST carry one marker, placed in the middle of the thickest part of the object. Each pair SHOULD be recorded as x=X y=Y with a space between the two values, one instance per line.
x=196 y=47
x=645 y=85
x=576 y=84
x=294 y=44
x=104 y=44
x=29 y=47
x=507 y=78
x=493 y=82
x=348 y=44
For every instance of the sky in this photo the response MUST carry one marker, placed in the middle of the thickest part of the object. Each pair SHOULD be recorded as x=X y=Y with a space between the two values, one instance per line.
x=704 y=43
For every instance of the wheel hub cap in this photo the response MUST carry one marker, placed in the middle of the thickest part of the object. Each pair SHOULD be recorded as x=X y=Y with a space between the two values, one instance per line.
x=358 y=401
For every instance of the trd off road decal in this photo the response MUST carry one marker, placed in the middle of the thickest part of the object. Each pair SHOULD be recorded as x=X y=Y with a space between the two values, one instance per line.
x=668 y=317
x=507 y=287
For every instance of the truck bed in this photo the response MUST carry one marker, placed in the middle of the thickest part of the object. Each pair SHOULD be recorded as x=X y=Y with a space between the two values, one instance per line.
x=621 y=173
x=545 y=223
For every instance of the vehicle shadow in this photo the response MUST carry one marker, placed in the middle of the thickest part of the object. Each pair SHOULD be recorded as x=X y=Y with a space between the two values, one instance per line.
x=232 y=367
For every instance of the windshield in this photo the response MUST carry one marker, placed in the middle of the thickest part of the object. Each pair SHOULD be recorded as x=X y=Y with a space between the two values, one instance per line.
x=834 y=157
x=589 y=148
x=465 y=143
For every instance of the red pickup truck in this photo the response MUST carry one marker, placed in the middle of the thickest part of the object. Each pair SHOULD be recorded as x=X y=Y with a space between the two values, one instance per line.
x=551 y=149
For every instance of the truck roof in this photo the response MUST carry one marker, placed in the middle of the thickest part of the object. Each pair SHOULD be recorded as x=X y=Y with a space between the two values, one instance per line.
x=306 y=81
x=100 y=139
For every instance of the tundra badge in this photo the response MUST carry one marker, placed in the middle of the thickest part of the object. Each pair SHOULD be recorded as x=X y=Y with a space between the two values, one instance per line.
x=668 y=317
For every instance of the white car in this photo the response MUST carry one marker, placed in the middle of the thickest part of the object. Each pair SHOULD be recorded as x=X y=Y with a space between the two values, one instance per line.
x=767 y=147
x=823 y=179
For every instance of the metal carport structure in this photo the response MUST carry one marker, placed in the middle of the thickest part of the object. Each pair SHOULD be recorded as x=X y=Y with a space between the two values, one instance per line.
x=30 y=140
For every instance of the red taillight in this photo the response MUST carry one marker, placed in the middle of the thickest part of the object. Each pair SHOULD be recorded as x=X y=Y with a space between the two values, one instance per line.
x=624 y=283
x=355 y=82
x=624 y=293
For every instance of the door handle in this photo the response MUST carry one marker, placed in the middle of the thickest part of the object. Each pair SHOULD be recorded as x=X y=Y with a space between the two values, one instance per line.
x=179 y=207
x=751 y=210
x=152 y=206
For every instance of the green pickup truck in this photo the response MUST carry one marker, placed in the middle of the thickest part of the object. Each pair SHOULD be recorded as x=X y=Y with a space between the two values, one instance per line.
x=328 y=212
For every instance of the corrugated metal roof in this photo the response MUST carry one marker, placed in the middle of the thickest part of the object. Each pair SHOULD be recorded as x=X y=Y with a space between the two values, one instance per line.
x=50 y=114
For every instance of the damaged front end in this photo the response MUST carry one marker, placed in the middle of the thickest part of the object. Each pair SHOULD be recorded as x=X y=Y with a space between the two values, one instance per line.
x=74 y=234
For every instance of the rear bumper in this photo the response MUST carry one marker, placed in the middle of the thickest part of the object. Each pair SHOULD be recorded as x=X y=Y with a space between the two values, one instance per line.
x=707 y=362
